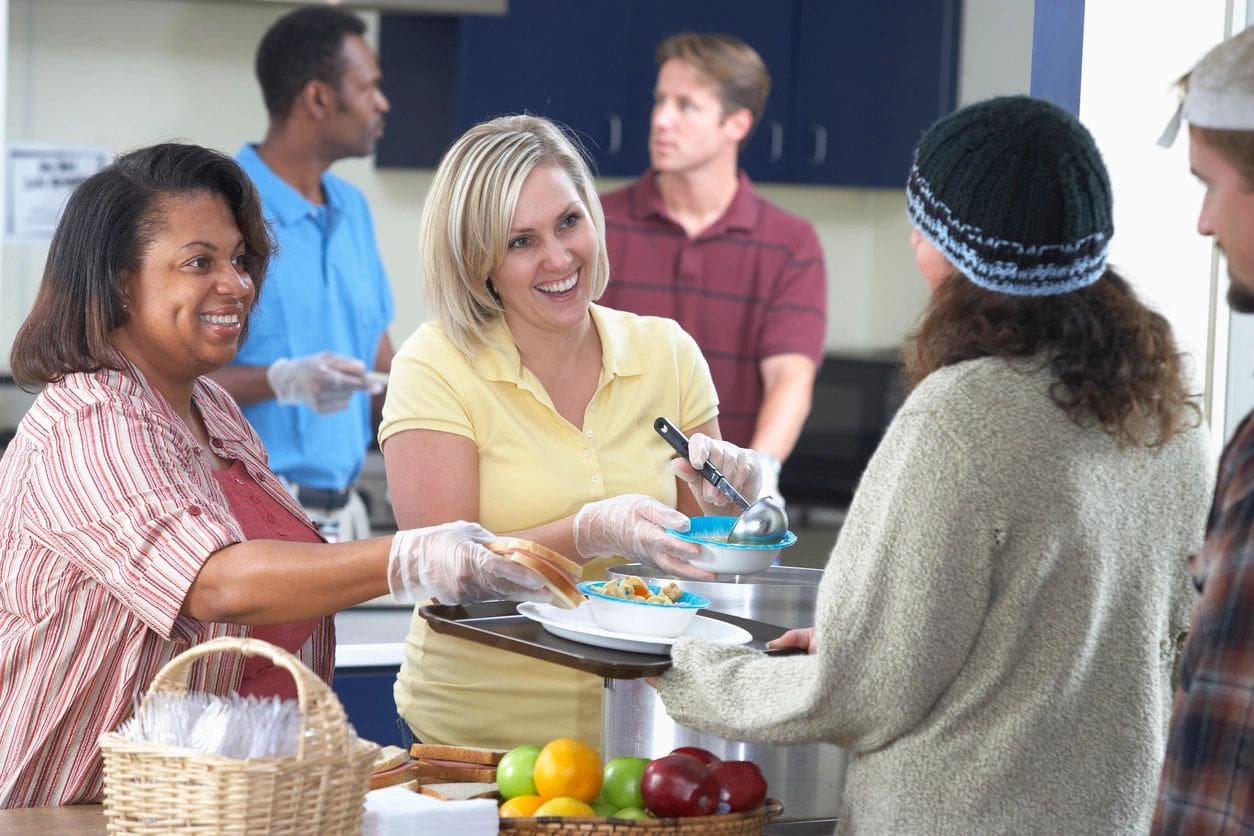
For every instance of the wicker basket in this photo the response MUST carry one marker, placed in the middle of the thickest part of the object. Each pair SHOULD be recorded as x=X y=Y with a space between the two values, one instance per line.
x=152 y=788
x=749 y=823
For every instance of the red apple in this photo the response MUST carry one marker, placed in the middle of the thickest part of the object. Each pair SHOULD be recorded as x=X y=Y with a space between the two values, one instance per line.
x=704 y=755
x=679 y=785
x=741 y=785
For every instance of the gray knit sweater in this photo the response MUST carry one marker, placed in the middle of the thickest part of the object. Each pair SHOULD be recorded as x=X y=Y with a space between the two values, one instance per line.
x=997 y=623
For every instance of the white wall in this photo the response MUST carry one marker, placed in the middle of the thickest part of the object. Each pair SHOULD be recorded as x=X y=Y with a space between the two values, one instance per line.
x=1133 y=55
x=149 y=70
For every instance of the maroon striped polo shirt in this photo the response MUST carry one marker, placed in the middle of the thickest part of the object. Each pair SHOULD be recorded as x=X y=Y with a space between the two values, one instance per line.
x=750 y=286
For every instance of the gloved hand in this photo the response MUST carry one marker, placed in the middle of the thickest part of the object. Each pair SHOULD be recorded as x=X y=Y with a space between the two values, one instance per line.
x=631 y=526
x=770 y=477
x=449 y=562
x=740 y=466
x=324 y=381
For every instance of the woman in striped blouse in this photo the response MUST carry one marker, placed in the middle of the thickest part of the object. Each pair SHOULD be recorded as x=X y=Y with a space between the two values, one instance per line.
x=137 y=514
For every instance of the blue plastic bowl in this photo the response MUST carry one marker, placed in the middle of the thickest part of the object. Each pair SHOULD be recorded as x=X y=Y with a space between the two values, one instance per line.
x=724 y=558
x=641 y=618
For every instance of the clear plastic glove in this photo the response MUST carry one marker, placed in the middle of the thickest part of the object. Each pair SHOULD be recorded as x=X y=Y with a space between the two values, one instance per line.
x=770 y=477
x=325 y=382
x=449 y=562
x=739 y=465
x=632 y=526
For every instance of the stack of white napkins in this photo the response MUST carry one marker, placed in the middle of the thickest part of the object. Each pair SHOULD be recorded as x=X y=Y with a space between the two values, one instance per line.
x=399 y=811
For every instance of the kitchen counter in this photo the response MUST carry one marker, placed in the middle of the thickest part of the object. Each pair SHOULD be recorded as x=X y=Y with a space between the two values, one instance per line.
x=88 y=819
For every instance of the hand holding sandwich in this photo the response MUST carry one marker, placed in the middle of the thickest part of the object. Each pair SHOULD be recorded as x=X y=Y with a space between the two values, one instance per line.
x=452 y=564
x=632 y=525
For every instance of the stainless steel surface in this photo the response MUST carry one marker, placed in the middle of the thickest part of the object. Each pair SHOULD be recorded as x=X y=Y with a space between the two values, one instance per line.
x=760 y=522
x=807 y=778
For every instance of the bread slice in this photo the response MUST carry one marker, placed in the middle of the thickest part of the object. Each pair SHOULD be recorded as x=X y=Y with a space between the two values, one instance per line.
x=461 y=754
x=459 y=791
x=556 y=570
x=390 y=777
x=443 y=772
x=514 y=544
x=389 y=757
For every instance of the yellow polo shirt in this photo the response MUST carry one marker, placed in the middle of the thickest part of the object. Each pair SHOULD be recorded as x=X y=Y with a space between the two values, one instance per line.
x=535 y=467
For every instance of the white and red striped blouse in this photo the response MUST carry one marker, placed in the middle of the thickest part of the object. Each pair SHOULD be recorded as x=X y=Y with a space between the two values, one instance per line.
x=108 y=510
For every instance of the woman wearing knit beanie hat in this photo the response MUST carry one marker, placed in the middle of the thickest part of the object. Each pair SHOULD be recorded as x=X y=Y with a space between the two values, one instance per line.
x=998 y=622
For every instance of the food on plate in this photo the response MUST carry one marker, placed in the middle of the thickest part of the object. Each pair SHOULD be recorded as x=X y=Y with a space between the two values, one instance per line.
x=559 y=573
x=459 y=790
x=679 y=785
x=633 y=588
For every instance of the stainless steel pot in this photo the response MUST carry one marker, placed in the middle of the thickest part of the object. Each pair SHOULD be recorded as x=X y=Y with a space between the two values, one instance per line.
x=807 y=778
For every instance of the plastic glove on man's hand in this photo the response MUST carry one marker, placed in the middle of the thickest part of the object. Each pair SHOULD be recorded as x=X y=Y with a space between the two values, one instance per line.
x=325 y=382
x=739 y=466
x=632 y=526
x=450 y=563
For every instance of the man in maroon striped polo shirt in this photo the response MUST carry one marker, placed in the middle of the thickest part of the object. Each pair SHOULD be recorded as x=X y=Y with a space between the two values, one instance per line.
x=692 y=241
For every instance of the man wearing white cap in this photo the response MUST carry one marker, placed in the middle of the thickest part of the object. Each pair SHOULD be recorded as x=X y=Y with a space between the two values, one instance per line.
x=1207 y=784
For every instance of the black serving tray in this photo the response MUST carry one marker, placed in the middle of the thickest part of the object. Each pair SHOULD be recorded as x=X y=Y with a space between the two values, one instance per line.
x=499 y=624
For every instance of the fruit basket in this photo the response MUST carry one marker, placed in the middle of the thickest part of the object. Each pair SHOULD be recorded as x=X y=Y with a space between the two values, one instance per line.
x=748 y=823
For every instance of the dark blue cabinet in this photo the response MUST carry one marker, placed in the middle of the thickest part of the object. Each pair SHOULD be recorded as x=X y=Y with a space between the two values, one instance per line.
x=366 y=694
x=853 y=83
x=563 y=59
x=870 y=78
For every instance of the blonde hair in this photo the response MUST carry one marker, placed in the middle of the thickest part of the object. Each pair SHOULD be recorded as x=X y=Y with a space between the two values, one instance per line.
x=466 y=220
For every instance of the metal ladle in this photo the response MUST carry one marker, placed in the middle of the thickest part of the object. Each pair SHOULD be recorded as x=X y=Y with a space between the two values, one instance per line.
x=760 y=523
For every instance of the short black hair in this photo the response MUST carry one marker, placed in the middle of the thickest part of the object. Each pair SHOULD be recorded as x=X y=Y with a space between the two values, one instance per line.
x=300 y=47
x=108 y=224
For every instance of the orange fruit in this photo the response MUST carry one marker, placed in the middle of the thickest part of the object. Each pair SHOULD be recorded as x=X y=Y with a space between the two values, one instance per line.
x=568 y=767
x=564 y=806
x=521 y=806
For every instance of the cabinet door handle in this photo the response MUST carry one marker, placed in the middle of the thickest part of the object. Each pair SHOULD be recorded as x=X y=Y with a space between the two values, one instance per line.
x=820 y=145
x=616 y=135
x=777 y=141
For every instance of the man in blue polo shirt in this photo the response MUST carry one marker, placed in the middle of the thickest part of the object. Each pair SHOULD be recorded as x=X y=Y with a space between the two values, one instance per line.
x=321 y=321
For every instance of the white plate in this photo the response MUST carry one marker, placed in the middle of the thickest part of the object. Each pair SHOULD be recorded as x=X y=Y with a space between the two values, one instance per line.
x=577 y=626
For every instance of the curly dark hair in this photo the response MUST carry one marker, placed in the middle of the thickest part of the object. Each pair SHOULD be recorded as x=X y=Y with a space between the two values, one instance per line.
x=108 y=224
x=1115 y=360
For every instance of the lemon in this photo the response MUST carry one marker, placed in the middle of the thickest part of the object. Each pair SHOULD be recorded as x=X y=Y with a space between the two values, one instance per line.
x=565 y=806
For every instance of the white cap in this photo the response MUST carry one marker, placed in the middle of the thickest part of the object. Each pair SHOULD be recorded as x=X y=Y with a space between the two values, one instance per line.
x=1220 y=91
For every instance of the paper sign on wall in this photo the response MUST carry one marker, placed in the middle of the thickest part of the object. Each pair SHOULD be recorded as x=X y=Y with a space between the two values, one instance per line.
x=39 y=178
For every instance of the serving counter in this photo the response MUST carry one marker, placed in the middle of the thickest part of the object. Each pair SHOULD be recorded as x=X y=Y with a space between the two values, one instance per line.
x=88 y=820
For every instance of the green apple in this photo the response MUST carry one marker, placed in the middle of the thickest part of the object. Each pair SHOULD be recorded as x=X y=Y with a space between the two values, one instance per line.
x=620 y=781
x=514 y=774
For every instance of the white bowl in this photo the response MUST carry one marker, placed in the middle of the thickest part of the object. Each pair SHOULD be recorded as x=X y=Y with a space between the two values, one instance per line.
x=641 y=618
x=724 y=558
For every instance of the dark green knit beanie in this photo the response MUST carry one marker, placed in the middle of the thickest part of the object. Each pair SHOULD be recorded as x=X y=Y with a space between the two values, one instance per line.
x=1013 y=191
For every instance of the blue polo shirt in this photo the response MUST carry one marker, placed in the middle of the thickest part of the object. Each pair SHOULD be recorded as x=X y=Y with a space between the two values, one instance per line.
x=325 y=290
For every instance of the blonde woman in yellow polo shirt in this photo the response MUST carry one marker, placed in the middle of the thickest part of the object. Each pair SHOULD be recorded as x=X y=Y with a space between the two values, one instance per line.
x=529 y=409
